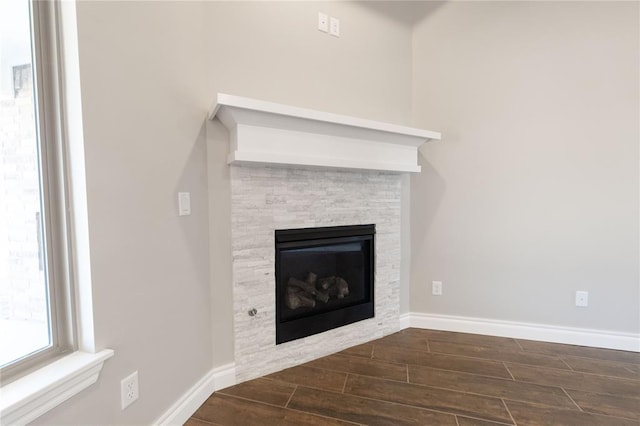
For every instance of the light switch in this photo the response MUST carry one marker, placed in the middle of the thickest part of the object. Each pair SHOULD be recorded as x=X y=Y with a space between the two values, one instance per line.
x=184 y=203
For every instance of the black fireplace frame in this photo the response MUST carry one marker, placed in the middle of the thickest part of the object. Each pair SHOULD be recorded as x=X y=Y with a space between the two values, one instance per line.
x=297 y=328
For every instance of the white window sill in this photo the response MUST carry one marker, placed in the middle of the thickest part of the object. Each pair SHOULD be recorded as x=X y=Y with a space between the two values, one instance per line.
x=33 y=395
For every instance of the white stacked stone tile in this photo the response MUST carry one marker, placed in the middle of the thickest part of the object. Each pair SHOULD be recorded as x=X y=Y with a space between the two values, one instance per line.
x=264 y=199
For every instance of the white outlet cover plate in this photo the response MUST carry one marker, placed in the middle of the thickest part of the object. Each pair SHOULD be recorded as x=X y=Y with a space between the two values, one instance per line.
x=334 y=27
x=436 y=288
x=129 y=389
x=323 y=22
x=582 y=299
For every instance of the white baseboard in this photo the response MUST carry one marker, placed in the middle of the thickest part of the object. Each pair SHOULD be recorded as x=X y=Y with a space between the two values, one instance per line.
x=405 y=320
x=188 y=403
x=528 y=331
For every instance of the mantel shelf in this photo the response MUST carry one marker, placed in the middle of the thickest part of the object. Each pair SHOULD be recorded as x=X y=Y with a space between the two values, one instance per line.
x=269 y=133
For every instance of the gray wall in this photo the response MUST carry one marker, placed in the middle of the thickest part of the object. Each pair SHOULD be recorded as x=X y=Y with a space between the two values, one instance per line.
x=273 y=51
x=533 y=193
x=149 y=73
x=142 y=73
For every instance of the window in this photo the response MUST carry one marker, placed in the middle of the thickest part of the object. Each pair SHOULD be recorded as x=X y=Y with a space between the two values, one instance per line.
x=35 y=302
x=41 y=142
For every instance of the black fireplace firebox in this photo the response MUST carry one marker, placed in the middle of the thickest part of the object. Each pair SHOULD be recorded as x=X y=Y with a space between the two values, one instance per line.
x=324 y=279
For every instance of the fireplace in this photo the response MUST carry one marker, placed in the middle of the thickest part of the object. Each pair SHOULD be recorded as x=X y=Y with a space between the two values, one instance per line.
x=324 y=279
x=292 y=167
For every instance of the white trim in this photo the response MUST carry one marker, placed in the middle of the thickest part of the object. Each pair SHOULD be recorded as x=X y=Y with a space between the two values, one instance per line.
x=528 y=331
x=269 y=133
x=405 y=320
x=285 y=159
x=76 y=178
x=239 y=102
x=29 y=397
x=216 y=379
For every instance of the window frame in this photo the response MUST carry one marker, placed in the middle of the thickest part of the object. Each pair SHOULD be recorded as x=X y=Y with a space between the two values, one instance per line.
x=56 y=248
x=51 y=381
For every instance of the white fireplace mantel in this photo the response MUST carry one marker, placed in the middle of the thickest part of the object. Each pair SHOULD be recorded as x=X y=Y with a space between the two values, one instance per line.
x=270 y=133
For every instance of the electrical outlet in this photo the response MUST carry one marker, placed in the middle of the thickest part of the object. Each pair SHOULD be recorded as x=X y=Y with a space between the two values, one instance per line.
x=582 y=299
x=436 y=288
x=129 y=389
x=334 y=27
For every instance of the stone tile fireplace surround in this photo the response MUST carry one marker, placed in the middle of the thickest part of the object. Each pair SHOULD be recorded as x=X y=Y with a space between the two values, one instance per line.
x=264 y=199
x=298 y=168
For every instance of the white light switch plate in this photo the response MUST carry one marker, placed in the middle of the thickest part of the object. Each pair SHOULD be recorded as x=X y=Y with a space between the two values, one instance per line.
x=184 y=203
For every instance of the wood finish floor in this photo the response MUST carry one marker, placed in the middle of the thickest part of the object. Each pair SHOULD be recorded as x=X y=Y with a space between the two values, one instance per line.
x=426 y=377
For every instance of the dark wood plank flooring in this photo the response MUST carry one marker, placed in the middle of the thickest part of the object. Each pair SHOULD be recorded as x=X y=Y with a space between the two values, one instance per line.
x=427 y=377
